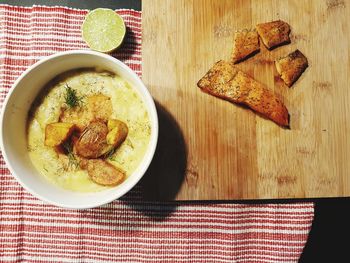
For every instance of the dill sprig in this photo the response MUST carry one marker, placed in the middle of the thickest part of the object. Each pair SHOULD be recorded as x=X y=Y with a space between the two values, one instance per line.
x=71 y=98
x=68 y=147
x=109 y=155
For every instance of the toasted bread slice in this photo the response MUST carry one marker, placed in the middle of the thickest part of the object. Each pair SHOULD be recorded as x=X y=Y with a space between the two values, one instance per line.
x=102 y=172
x=274 y=34
x=245 y=44
x=291 y=67
x=225 y=81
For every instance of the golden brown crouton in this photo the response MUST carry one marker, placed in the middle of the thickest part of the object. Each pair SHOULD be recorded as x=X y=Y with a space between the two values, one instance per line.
x=102 y=172
x=224 y=80
x=57 y=133
x=79 y=116
x=97 y=107
x=100 y=106
x=245 y=43
x=291 y=67
x=274 y=33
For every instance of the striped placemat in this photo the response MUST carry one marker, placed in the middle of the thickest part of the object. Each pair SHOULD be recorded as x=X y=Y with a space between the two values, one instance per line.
x=127 y=230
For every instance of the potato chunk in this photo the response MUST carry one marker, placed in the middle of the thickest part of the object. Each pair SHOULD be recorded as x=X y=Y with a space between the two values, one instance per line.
x=56 y=133
x=118 y=131
x=92 y=141
x=112 y=123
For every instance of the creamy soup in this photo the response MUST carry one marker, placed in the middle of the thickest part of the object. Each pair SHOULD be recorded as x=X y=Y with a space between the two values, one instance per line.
x=127 y=106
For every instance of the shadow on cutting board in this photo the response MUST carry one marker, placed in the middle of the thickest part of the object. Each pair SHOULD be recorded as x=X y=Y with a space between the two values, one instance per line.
x=166 y=173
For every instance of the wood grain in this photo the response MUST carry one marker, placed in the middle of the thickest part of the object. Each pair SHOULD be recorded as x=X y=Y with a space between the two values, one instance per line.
x=231 y=153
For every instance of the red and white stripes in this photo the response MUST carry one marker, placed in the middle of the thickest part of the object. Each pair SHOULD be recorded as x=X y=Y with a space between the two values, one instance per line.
x=128 y=230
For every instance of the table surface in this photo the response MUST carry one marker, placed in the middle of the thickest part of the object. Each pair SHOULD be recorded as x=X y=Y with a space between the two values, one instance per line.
x=251 y=157
x=331 y=223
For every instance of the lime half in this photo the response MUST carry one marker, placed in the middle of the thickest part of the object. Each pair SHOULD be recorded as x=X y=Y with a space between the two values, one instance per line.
x=103 y=30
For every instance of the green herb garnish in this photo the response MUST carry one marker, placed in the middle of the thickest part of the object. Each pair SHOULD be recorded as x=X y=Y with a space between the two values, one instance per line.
x=71 y=98
x=128 y=142
x=68 y=147
x=109 y=155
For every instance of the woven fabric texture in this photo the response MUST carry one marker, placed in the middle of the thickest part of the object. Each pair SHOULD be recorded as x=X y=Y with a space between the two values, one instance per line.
x=126 y=230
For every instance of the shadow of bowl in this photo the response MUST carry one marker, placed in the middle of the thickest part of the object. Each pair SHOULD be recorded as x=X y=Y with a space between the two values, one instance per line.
x=166 y=173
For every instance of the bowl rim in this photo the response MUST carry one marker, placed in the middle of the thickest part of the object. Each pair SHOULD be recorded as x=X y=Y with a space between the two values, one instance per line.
x=146 y=161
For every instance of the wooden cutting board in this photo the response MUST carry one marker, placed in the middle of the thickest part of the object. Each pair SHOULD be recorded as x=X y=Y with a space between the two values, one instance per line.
x=212 y=149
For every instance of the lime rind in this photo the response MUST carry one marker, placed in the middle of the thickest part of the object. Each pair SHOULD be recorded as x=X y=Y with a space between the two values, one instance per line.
x=103 y=30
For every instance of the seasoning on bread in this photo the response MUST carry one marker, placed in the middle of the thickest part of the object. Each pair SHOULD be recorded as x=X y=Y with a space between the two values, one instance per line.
x=225 y=81
x=102 y=172
x=291 y=67
x=274 y=34
x=245 y=44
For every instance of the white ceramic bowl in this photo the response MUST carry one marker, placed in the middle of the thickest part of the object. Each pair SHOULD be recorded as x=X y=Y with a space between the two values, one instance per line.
x=13 y=127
